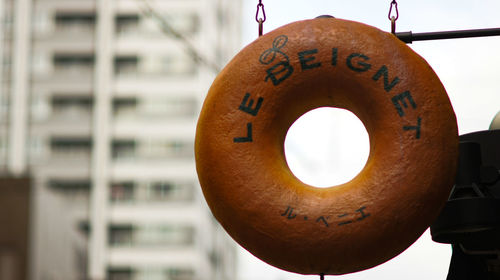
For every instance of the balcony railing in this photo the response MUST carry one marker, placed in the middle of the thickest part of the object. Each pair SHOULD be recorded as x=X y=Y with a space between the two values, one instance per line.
x=127 y=273
x=75 y=191
x=150 y=236
x=142 y=192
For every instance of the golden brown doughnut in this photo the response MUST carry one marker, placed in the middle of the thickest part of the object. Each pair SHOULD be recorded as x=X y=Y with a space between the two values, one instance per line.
x=299 y=67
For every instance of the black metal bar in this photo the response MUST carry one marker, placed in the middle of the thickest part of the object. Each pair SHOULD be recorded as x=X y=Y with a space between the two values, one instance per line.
x=409 y=37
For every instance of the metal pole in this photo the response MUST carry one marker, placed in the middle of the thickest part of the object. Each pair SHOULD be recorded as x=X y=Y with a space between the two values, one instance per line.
x=409 y=37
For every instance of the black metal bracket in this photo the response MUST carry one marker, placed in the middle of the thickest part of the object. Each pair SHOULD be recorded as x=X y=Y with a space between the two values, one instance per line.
x=409 y=37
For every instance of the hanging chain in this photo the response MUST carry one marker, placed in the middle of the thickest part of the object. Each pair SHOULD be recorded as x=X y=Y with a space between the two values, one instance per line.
x=260 y=20
x=393 y=18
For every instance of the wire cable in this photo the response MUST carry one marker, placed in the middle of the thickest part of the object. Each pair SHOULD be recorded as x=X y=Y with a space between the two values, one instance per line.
x=167 y=29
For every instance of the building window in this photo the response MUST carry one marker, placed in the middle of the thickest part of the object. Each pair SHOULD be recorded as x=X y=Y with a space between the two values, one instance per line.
x=155 y=149
x=69 y=106
x=67 y=146
x=122 y=273
x=151 y=149
x=84 y=228
x=150 y=273
x=149 y=192
x=180 y=107
x=121 y=235
x=171 y=192
x=126 y=65
x=124 y=106
x=161 y=189
x=150 y=235
x=127 y=24
x=122 y=192
x=174 y=64
x=74 y=22
x=71 y=189
x=124 y=149
x=73 y=64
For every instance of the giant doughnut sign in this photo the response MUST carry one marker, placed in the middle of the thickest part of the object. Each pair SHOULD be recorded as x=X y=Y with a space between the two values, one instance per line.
x=288 y=72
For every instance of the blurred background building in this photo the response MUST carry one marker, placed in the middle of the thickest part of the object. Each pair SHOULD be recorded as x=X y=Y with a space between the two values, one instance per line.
x=98 y=107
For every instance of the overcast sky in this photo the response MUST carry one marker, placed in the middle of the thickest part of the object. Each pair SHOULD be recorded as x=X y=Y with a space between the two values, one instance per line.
x=468 y=69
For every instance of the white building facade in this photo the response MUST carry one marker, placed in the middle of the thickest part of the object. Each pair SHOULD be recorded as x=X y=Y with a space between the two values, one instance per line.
x=99 y=105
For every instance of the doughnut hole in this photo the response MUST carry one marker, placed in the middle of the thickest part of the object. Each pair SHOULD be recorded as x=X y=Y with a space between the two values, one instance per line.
x=326 y=147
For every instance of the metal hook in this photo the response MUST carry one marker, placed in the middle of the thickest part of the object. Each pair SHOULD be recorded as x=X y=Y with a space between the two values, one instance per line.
x=260 y=6
x=393 y=18
x=395 y=4
x=258 y=19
